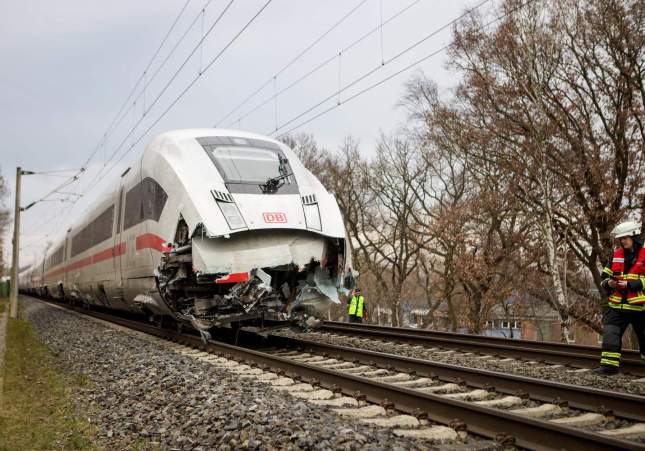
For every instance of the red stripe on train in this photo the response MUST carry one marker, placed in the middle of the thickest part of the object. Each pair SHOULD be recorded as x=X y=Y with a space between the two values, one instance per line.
x=145 y=241
x=234 y=278
x=151 y=241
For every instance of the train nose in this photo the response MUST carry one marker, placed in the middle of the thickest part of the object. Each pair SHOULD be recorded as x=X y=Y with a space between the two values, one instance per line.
x=271 y=211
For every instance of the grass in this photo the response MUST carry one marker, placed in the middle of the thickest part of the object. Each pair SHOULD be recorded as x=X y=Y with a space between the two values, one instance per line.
x=37 y=412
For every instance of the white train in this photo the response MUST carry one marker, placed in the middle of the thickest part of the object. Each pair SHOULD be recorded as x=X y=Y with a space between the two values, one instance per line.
x=208 y=227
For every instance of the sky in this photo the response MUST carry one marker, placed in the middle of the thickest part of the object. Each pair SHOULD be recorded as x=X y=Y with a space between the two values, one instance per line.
x=67 y=70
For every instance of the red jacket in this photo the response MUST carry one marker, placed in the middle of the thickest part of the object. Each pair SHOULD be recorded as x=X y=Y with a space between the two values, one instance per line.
x=636 y=273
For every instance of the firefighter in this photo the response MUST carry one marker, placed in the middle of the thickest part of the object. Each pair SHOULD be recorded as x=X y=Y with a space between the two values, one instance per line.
x=357 y=307
x=623 y=277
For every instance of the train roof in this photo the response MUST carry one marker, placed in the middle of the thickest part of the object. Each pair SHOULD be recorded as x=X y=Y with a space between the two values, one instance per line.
x=203 y=132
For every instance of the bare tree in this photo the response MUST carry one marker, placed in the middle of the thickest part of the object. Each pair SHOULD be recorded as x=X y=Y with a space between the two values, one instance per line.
x=475 y=226
x=560 y=82
x=377 y=201
x=315 y=158
x=551 y=105
x=441 y=192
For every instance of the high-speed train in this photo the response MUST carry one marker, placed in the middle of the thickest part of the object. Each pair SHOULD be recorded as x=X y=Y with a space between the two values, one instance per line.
x=208 y=227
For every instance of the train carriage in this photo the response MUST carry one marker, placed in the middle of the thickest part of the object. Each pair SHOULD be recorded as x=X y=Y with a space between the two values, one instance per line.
x=208 y=227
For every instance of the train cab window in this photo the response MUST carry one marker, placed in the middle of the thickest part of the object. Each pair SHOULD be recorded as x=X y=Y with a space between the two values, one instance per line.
x=246 y=164
x=144 y=201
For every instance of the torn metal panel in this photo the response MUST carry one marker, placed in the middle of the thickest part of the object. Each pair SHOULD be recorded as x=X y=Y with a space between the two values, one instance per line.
x=156 y=306
x=252 y=277
x=261 y=249
x=316 y=294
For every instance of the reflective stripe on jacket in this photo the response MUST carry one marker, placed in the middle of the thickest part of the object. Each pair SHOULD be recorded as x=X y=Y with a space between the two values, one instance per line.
x=356 y=306
x=631 y=300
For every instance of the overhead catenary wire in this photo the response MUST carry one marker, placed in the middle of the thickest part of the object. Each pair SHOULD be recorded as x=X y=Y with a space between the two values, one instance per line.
x=141 y=77
x=148 y=80
x=292 y=61
x=121 y=113
x=65 y=184
x=188 y=87
x=57 y=171
x=384 y=80
x=114 y=124
x=159 y=95
x=57 y=218
x=362 y=77
x=329 y=60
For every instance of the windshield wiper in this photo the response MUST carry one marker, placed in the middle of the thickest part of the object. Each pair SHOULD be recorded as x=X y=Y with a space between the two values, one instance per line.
x=273 y=184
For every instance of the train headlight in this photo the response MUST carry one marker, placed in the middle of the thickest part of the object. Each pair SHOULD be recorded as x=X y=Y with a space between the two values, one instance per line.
x=228 y=208
x=312 y=216
x=232 y=215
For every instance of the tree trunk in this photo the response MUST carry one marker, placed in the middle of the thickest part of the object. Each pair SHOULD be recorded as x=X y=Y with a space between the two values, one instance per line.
x=560 y=299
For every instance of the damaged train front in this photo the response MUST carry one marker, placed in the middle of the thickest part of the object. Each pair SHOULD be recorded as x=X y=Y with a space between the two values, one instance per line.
x=257 y=278
x=267 y=247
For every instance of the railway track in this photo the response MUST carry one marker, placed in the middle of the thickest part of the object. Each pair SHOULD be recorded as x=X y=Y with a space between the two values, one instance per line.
x=513 y=410
x=556 y=353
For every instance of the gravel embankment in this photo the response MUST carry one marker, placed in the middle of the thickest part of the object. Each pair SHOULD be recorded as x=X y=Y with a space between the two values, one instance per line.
x=146 y=396
x=562 y=374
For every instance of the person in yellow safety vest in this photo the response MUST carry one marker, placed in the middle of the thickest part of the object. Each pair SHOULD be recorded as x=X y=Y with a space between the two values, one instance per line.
x=623 y=277
x=357 y=308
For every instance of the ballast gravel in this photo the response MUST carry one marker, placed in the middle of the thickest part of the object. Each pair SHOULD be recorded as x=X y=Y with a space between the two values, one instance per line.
x=143 y=395
x=556 y=373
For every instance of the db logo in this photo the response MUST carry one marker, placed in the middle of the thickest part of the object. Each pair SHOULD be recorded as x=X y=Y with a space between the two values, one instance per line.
x=274 y=217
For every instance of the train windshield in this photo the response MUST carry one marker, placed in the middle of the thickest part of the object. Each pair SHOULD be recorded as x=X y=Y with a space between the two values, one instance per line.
x=247 y=164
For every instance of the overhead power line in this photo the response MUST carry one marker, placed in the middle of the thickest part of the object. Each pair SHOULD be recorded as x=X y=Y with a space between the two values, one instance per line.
x=119 y=117
x=182 y=93
x=56 y=190
x=326 y=62
x=148 y=80
x=292 y=62
x=362 y=77
x=99 y=175
x=134 y=88
x=382 y=81
x=357 y=80
x=57 y=171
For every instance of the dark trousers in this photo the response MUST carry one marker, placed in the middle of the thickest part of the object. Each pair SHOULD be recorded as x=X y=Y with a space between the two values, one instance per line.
x=615 y=323
x=355 y=319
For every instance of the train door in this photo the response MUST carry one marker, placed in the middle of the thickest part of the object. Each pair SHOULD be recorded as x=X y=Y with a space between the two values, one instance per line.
x=64 y=289
x=119 y=248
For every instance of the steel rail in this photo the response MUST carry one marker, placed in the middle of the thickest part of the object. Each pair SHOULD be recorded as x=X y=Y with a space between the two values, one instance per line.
x=528 y=432
x=575 y=355
x=484 y=421
x=623 y=405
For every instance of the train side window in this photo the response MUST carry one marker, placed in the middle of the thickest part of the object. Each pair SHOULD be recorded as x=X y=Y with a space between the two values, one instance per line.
x=144 y=201
x=100 y=229
x=133 y=207
x=56 y=258
x=154 y=199
x=79 y=242
x=102 y=226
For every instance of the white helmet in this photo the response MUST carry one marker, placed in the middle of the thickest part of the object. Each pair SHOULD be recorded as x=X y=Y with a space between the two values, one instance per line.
x=629 y=228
